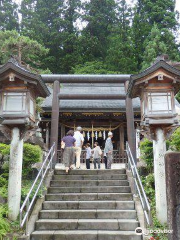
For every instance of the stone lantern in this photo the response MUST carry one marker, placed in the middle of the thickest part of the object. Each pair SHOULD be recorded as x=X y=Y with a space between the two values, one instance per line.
x=19 y=89
x=156 y=87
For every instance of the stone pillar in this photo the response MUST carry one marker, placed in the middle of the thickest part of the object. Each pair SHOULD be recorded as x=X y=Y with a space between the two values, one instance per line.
x=55 y=119
x=121 y=134
x=159 y=150
x=15 y=174
x=172 y=165
x=130 y=124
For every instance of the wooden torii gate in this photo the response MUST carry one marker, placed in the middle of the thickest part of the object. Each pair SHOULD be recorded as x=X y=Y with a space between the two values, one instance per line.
x=57 y=79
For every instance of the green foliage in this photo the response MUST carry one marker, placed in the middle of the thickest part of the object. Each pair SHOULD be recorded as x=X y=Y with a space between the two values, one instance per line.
x=163 y=14
x=4 y=149
x=96 y=67
x=146 y=147
x=8 y=15
x=31 y=155
x=26 y=185
x=4 y=224
x=174 y=142
x=24 y=48
x=154 y=46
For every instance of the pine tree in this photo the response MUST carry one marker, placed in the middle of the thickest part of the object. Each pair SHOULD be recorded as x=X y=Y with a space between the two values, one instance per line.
x=100 y=16
x=24 y=49
x=121 y=50
x=70 y=36
x=148 y=12
x=154 y=47
x=42 y=21
x=8 y=15
x=52 y=23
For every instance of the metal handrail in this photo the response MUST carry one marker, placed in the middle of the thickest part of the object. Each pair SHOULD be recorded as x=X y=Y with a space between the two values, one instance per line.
x=41 y=175
x=139 y=186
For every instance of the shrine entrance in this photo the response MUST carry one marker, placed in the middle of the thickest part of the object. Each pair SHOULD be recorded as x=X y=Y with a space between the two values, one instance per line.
x=96 y=124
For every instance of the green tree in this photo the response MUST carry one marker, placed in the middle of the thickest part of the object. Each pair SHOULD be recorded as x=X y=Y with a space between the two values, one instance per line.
x=95 y=67
x=154 y=46
x=27 y=51
x=147 y=13
x=121 y=50
x=99 y=17
x=8 y=15
x=42 y=21
x=52 y=23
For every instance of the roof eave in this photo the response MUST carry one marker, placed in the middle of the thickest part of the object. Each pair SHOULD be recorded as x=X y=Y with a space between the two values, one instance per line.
x=10 y=65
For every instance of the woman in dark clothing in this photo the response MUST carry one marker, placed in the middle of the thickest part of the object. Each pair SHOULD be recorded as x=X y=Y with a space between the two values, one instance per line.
x=68 y=154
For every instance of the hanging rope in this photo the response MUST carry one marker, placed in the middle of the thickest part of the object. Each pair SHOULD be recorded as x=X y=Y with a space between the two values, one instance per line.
x=98 y=129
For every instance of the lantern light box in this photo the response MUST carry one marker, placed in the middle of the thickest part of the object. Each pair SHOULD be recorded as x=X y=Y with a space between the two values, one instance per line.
x=156 y=87
x=19 y=89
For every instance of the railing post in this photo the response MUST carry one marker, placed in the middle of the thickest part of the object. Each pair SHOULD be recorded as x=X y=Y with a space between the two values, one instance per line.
x=27 y=219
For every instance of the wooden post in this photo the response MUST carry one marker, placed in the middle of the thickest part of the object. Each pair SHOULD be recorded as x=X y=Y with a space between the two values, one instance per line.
x=121 y=135
x=55 y=119
x=47 y=137
x=92 y=136
x=130 y=124
x=62 y=131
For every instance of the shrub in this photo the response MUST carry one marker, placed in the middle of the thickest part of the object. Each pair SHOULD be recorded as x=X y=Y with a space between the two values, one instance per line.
x=31 y=155
x=174 y=142
x=4 y=149
x=4 y=224
x=146 y=147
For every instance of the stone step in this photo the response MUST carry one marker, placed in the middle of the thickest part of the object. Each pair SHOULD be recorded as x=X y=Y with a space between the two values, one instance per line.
x=87 y=224
x=89 y=196
x=81 y=183
x=91 y=177
x=57 y=205
x=88 y=214
x=96 y=189
x=85 y=235
x=92 y=172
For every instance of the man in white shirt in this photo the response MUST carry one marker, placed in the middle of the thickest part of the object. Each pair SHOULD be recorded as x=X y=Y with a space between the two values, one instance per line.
x=79 y=143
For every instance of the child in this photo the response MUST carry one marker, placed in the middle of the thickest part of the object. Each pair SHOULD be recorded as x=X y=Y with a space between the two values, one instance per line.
x=97 y=155
x=88 y=155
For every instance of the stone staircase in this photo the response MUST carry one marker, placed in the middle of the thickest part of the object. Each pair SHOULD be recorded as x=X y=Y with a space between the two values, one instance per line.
x=88 y=205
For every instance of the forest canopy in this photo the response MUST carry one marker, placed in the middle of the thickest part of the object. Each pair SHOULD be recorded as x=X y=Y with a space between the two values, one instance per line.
x=95 y=36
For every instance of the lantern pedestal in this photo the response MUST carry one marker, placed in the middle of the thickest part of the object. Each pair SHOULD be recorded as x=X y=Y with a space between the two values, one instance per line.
x=159 y=149
x=15 y=174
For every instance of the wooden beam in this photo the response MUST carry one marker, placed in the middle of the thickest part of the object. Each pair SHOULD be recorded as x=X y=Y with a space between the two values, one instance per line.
x=130 y=124
x=92 y=96
x=71 y=78
x=121 y=134
x=55 y=119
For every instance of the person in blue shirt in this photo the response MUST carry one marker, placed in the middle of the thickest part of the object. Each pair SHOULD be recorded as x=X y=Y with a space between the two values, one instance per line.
x=68 y=153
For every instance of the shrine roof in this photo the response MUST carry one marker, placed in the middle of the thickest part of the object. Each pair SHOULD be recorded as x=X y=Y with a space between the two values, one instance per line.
x=90 y=105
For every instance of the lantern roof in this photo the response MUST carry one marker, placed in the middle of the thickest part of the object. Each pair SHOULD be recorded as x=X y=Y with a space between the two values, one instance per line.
x=13 y=66
x=174 y=74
